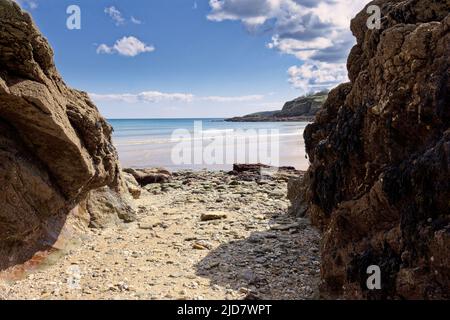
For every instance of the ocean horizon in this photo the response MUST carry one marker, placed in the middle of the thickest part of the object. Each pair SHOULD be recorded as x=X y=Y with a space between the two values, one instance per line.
x=143 y=143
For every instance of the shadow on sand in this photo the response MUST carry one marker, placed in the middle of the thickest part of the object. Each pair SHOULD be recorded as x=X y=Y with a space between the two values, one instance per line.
x=280 y=263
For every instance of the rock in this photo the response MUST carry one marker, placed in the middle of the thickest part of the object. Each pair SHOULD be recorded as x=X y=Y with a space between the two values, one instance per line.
x=150 y=176
x=297 y=196
x=202 y=245
x=380 y=154
x=261 y=172
x=210 y=216
x=277 y=194
x=132 y=185
x=199 y=247
x=106 y=208
x=248 y=275
x=145 y=226
x=285 y=227
x=55 y=146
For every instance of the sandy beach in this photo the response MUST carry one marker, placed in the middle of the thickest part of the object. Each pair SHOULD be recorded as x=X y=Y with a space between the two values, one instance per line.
x=204 y=235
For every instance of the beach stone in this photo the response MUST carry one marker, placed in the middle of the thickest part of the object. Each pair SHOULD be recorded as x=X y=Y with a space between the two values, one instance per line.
x=132 y=185
x=210 y=216
x=150 y=176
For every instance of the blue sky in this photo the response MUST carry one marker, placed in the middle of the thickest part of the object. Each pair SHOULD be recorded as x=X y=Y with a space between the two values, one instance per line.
x=187 y=58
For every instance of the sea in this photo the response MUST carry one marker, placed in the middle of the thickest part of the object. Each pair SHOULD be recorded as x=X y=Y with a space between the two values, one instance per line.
x=211 y=144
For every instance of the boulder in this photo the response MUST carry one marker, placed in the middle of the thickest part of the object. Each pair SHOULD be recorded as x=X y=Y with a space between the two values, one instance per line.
x=55 y=146
x=106 y=208
x=150 y=176
x=379 y=182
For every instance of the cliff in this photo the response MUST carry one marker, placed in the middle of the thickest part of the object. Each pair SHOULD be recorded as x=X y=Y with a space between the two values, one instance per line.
x=55 y=148
x=300 y=109
x=379 y=182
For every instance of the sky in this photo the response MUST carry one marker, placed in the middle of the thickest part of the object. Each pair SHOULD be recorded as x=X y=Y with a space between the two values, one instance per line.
x=198 y=58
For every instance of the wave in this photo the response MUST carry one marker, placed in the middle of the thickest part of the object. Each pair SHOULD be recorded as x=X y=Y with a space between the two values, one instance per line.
x=208 y=136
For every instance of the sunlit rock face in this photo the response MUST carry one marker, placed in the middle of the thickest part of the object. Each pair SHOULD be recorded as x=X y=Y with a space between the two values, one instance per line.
x=55 y=147
x=379 y=181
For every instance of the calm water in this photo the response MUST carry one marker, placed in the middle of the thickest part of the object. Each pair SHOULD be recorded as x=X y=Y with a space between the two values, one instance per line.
x=150 y=143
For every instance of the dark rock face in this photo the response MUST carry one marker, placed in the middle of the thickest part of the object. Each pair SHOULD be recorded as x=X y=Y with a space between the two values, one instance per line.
x=300 y=109
x=55 y=147
x=379 y=181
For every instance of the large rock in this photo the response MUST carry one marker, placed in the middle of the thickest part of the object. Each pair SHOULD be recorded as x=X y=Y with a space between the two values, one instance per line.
x=379 y=181
x=55 y=147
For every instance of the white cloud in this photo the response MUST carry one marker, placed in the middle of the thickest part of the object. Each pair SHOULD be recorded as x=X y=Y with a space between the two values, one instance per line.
x=127 y=46
x=135 y=20
x=303 y=50
x=118 y=18
x=146 y=97
x=104 y=49
x=156 y=96
x=314 y=31
x=233 y=98
x=315 y=76
x=116 y=15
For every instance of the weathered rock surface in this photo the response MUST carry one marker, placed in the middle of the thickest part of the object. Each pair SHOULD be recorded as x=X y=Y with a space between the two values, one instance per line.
x=55 y=147
x=132 y=185
x=379 y=183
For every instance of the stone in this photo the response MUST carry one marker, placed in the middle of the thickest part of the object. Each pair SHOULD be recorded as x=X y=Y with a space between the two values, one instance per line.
x=150 y=176
x=106 y=208
x=199 y=247
x=145 y=226
x=210 y=216
x=133 y=186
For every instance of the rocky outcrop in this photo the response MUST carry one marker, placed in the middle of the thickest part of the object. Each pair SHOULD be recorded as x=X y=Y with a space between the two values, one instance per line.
x=55 y=147
x=379 y=181
x=300 y=109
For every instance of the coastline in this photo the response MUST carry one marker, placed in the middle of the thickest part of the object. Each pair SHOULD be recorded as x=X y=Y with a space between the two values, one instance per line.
x=144 y=143
x=270 y=119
